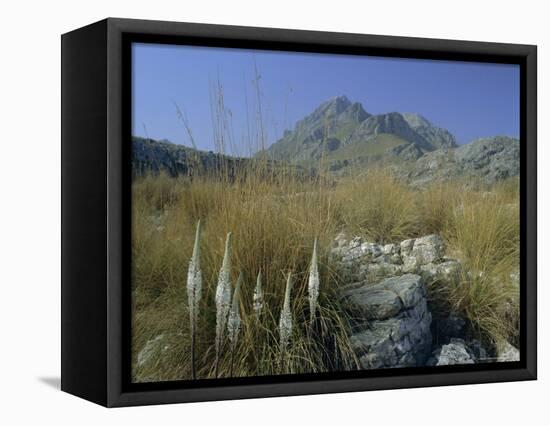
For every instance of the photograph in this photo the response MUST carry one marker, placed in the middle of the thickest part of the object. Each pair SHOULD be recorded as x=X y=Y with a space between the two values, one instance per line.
x=297 y=213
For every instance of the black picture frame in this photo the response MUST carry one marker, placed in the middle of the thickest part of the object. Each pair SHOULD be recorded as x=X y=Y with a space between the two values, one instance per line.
x=96 y=179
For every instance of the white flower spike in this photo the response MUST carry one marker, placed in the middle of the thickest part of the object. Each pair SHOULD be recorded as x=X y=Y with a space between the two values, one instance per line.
x=313 y=283
x=285 y=321
x=234 y=319
x=194 y=280
x=258 y=296
x=194 y=292
x=223 y=298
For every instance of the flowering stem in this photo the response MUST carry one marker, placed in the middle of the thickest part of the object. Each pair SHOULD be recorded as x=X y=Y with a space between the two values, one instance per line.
x=313 y=284
x=285 y=321
x=194 y=288
x=258 y=300
x=223 y=300
x=234 y=321
x=193 y=365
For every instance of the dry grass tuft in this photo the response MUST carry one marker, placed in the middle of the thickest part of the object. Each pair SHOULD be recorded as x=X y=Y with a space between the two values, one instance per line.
x=379 y=207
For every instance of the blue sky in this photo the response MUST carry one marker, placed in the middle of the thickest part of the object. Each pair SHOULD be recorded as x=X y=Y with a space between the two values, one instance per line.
x=471 y=100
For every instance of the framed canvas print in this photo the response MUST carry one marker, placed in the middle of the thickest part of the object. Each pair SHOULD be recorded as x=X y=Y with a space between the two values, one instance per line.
x=252 y=212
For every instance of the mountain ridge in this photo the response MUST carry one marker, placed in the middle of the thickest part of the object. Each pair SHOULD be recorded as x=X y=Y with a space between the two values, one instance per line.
x=338 y=122
x=151 y=156
x=345 y=135
x=491 y=159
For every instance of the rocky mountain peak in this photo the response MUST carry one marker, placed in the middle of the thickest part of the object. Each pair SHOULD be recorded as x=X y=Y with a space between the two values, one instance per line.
x=355 y=112
x=436 y=136
x=416 y=120
x=492 y=159
x=343 y=133
x=339 y=103
x=338 y=123
x=327 y=127
x=330 y=108
x=392 y=123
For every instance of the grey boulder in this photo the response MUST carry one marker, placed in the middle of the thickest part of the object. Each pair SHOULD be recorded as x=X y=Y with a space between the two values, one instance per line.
x=421 y=251
x=507 y=353
x=453 y=353
x=391 y=322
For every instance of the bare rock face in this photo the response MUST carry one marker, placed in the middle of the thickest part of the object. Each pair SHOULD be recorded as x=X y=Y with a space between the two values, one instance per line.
x=358 y=260
x=422 y=251
x=455 y=352
x=459 y=351
x=490 y=159
x=391 y=322
x=507 y=353
x=447 y=269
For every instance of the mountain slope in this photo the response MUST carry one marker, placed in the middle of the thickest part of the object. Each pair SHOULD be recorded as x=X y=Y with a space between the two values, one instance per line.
x=343 y=134
x=435 y=136
x=325 y=129
x=341 y=130
x=490 y=159
x=391 y=123
x=151 y=156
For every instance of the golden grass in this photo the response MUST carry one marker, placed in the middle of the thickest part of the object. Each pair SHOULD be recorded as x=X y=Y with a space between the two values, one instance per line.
x=274 y=220
x=484 y=232
x=274 y=223
x=378 y=206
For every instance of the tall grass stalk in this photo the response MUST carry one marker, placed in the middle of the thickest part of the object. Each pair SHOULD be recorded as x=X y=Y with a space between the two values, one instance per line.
x=376 y=205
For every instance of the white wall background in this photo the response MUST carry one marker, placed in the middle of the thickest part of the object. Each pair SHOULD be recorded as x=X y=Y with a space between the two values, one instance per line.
x=30 y=211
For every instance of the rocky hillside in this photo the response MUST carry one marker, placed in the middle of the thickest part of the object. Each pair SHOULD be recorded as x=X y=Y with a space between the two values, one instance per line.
x=345 y=134
x=151 y=156
x=327 y=128
x=342 y=130
x=490 y=159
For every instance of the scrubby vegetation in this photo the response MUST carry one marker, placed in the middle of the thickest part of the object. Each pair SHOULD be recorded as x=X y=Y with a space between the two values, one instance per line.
x=274 y=219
